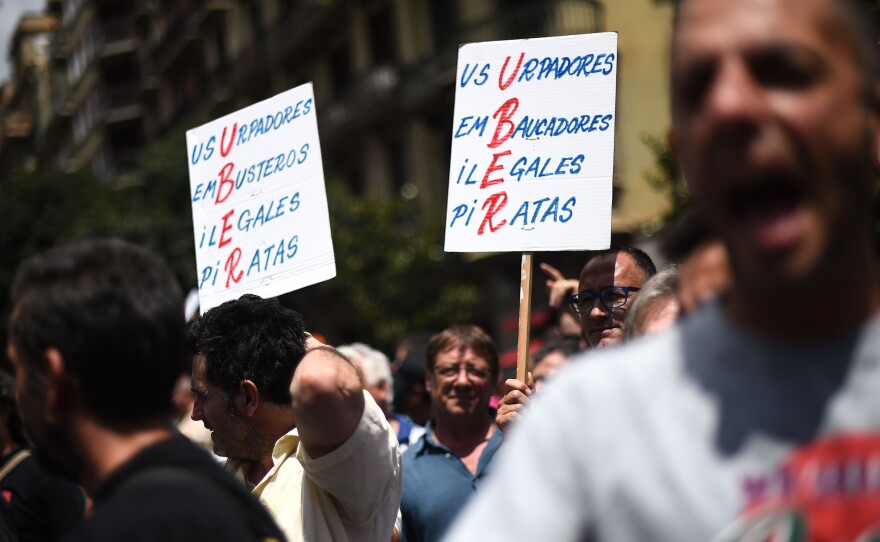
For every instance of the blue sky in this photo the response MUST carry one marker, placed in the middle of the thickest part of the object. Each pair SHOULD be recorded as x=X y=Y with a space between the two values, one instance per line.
x=10 y=12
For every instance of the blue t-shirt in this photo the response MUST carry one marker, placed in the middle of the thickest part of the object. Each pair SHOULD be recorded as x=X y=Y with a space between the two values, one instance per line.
x=437 y=485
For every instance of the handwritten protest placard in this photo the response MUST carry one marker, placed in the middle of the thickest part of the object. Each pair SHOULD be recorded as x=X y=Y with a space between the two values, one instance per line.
x=533 y=145
x=259 y=204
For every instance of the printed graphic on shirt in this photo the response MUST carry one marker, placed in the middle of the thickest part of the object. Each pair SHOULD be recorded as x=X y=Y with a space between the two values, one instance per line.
x=827 y=491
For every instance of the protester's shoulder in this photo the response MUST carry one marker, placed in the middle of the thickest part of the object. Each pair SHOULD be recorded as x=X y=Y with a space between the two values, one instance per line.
x=647 y=361
x=153 y=497
x=168 y=511
x=373 y=430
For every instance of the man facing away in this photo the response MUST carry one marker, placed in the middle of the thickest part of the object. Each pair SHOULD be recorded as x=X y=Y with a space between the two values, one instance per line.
x=445 y=466
x=97 y=340
x=297 y=427
x=756 y=418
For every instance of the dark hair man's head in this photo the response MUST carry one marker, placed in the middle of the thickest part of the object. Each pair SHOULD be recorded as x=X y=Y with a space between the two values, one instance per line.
x=96 y=329
x=608 y=284
x=463 y=369
x=775 y=120
x=242 y=346
x=550 y=358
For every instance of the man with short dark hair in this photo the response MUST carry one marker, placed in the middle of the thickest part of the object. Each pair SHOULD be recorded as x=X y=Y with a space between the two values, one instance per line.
x=609 y=282
x=546 y=362
x=756 y=418
x=444 y=467
x=297 y=427
x=97 y=339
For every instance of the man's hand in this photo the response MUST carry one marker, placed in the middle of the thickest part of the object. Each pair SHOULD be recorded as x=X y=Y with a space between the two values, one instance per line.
x=328 y=400
x=558 y=287
x=703 y=275
x=511 y=405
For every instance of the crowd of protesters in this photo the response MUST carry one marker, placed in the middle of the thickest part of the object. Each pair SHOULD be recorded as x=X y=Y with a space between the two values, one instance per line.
x=722 y=398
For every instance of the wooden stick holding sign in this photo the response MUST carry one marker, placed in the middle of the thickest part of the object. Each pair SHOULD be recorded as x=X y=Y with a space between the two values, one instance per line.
x=532 y=151
x=525 y=317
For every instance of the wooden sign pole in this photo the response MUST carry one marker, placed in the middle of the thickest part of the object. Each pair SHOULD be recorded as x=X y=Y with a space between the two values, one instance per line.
x=525 y=313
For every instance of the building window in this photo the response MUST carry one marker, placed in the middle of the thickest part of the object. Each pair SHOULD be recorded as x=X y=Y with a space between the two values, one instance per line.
x=340 y=67
x=383 y=35
x=81 y=57
x=444 y=25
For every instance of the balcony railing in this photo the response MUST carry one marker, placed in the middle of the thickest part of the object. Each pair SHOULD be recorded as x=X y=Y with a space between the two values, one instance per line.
x=116 y=36
x=178 y=33
x=118 y=103
x=365 y=97
x=303 y=22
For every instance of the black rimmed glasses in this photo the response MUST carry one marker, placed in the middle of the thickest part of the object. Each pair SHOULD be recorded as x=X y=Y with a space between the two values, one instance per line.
x=451 y=372
x=611 y=297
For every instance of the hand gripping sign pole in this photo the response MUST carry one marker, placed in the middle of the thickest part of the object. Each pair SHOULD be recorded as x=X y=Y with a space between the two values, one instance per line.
x=532 y=152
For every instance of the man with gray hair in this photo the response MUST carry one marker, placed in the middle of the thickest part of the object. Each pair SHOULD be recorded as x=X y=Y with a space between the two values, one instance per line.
x=656 y=308
x=375 y=370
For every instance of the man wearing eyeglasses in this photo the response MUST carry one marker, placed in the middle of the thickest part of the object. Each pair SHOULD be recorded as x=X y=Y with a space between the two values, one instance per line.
x=608 y=284
x=443 y=468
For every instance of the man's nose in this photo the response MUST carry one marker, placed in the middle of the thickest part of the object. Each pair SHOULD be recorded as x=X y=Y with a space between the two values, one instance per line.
x=197 y=413
x=462 y=377
x=735 y=101
x=598 y=310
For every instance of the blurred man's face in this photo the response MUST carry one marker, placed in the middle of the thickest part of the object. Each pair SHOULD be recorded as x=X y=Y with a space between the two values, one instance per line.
x=461 y=382
x=773 y=131
x=229 y=427
x=548 y=367
x=51 y=435
x=602 y=326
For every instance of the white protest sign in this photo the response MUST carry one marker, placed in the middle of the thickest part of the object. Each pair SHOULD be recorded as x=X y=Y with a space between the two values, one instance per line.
x=533 y=145
x=259 y=205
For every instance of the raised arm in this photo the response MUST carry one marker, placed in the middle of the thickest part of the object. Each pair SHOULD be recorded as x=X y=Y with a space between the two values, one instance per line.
x=328 y=400
x=558 y=287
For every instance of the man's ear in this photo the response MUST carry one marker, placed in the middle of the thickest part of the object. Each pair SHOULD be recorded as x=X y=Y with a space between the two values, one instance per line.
x=55 y=380
x=250 y=397
x=428 y=382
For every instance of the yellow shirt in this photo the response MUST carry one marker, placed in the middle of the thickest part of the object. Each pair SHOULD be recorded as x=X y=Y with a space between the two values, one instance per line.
x=350 y=494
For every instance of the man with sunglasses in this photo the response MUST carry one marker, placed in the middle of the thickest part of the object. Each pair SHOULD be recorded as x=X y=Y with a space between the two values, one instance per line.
x=608 y=285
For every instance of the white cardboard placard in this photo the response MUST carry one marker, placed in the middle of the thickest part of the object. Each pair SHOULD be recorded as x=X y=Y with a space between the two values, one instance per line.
x=533 y=145
x=259 y=205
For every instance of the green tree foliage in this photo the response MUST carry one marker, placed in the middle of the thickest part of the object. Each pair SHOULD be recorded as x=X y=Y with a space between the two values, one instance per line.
x=392 y=273
x=393 y=276
x=665 y=178
x=47 y=209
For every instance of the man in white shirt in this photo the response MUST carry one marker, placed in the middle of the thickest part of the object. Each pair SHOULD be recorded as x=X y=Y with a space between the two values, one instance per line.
x=326 y=464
